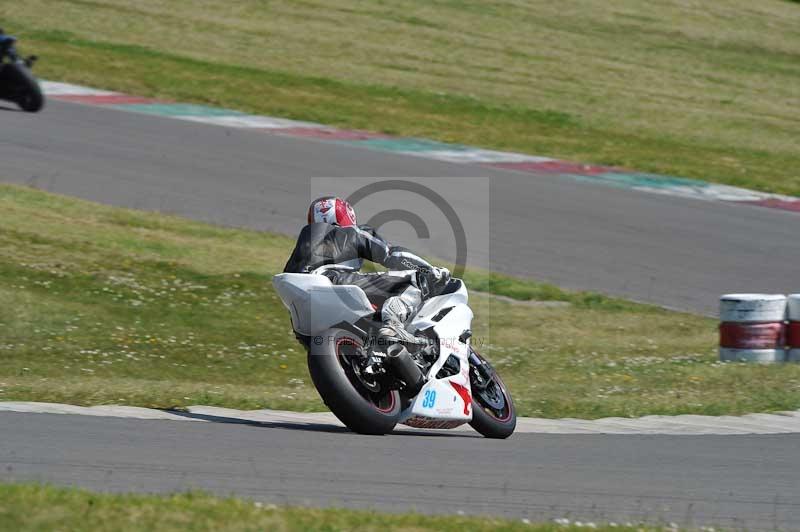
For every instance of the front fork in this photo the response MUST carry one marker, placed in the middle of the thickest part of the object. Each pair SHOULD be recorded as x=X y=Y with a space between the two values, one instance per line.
x=481 y=373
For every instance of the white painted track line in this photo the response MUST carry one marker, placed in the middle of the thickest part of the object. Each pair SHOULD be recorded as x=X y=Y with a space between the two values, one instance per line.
x=776 y=423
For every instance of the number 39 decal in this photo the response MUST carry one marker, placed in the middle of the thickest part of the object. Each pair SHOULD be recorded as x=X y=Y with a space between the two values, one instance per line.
x=430 y=399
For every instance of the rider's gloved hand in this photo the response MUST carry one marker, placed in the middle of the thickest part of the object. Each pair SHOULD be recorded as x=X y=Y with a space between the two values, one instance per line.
x=440 y=274
x=431 y=282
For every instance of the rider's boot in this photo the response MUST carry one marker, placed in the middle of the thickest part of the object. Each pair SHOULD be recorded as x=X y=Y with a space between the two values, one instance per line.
x=394 y=331
x=395 y=312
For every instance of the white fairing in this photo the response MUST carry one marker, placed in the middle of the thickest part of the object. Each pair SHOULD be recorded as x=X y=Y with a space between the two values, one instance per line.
x=315 y=305
x=445 y=402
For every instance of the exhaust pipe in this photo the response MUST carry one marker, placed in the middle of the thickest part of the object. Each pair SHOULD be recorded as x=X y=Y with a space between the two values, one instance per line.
x=399 y=360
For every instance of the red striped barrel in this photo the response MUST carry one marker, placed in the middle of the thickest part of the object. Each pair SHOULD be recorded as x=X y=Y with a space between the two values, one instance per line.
x=752 y=328
x=793 y=328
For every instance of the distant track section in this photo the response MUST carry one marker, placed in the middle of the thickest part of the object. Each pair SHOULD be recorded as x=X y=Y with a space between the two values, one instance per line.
x=668 y=250
x=429 y=149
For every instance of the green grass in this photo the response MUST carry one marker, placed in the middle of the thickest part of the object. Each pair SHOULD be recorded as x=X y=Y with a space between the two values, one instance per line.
x=709 y=91
x=29 y=507
x=101 y=305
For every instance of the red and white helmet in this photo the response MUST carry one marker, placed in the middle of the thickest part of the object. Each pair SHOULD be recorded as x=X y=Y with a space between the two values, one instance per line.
x=331 y=210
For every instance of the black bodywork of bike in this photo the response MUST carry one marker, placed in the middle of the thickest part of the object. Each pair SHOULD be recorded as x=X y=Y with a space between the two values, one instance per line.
x=17 y=83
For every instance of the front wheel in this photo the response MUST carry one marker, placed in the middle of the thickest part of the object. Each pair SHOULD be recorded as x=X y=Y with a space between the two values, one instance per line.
x=334 y=362
x=29 y=93
x=32 y=101
x=493 y=413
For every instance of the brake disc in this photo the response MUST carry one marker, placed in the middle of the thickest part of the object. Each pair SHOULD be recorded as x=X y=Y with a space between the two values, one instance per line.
x=492 y=396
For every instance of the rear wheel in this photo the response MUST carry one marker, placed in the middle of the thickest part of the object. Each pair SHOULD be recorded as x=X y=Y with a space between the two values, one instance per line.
x=493 y=413
x=335 y=361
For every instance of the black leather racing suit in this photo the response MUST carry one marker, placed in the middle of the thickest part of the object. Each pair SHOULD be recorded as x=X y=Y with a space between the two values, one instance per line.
x=397 y=292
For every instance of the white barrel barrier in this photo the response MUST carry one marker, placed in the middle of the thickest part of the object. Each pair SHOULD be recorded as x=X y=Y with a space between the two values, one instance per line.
x=793 y=329
x=752 y=328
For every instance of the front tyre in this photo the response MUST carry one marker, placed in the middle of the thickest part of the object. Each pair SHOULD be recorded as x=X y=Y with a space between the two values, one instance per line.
x=493 y=413
x=29 y=93
x=362 y=405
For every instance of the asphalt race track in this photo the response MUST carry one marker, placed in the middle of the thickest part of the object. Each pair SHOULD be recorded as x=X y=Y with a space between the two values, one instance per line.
x=672 y=251
x=739 y=482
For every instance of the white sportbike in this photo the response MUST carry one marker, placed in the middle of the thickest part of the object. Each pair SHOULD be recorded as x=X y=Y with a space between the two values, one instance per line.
x=441 y=383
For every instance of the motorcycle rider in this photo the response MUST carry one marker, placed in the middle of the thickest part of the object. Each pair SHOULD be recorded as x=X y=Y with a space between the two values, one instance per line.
x=6 y=44
x=333 y=237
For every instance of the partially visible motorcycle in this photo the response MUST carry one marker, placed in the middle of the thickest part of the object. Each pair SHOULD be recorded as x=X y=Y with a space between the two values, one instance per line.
x=17 y=84
x=441 y=383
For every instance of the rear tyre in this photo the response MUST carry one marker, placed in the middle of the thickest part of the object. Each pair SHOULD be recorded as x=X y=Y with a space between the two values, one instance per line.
x=358 y=403
x=493 y=413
